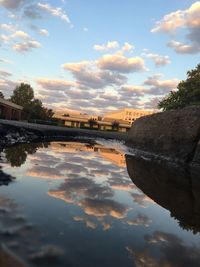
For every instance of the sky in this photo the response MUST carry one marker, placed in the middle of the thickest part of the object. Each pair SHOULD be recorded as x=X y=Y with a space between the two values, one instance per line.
x=98 y=56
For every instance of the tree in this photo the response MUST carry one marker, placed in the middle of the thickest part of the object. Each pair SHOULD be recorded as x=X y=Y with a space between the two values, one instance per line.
x=23 y=95
x=37 y=111
x=1 y=95
x=188 y=92
x=115 y=126
x=92 y=122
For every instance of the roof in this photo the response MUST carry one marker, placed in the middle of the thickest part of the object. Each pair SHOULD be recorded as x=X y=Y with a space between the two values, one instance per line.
x=10 y=104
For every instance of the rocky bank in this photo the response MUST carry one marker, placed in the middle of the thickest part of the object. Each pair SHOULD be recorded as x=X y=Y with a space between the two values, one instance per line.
x=13 y=132
x=174 y=135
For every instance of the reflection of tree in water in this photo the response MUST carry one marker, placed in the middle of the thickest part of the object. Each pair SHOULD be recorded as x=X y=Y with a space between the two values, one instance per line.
x=17 y=155
x=5 y=179
x=174 y=188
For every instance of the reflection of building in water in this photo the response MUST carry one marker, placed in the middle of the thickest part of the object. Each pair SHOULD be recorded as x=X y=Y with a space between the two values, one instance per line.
x=110 y=154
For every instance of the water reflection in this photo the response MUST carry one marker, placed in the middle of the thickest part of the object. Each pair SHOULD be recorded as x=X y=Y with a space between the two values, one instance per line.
x=5 y=179
x=172 y=187
x=17 y=155
x=73 y=204
x=171 y=251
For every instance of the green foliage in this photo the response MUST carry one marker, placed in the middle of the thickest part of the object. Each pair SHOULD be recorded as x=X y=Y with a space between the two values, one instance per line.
x=1 y=95
x=23 y=95
x=188 y=92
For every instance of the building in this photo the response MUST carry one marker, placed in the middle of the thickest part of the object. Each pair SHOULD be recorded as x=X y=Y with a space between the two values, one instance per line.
x=126 y=115
x=89 y=121
x=9 y=110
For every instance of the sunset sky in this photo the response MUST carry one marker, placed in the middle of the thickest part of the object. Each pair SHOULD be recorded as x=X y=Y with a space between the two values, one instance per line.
x=97 y=56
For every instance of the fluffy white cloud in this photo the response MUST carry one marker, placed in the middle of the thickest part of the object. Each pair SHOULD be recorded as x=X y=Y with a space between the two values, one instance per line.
x=159 y=60
x=87 y=75
x=120 y=63
x=106 y=47
x=26 y=46
x=182 y=48
x=181 y=18
x=127 y=47
x=21 y=35
x=112 y=45
x=188 y=19
x=7 y=27
x=20 y=41
x=56 y=85
x=43 y=32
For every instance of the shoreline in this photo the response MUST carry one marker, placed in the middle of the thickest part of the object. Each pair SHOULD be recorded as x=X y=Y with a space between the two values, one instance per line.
x=15 y=132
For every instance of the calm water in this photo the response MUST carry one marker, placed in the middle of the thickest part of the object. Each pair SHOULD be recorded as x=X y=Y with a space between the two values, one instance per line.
x=74 y=204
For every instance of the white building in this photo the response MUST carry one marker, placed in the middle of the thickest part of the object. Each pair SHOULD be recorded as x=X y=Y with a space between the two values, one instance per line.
x=127 y=114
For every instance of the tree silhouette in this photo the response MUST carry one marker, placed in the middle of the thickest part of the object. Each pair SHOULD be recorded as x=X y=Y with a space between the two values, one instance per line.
x=23 y=95
x=188 y=92
x=115 y=125
x=92 y=122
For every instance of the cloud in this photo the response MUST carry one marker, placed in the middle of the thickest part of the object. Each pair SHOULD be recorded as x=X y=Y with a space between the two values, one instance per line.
x=54 y=11
x=5 y=74
x=33 y=12
x=160 y=87
x=88 y=222
x=104 y=207
x=5 y=61
x=11 y=4
x=141 y=219
x=141 y=199
x=133 y=90
x=106 y=47
x=127 y=47
x=112 y=45
x=7 y=86
x=159 y=60
x=26 y=46
x=182 y=18
x=57 y=85
x=45 y=172
x=20 y=41
x=7 y=27
x=121 y=64
x=43 y=32
x=188 y=20
x=167 y=250
x=87 y=75
x=182 y=48
x=21 y=35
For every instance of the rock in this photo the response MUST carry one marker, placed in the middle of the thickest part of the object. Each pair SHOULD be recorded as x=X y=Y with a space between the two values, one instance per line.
x=171 y=134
